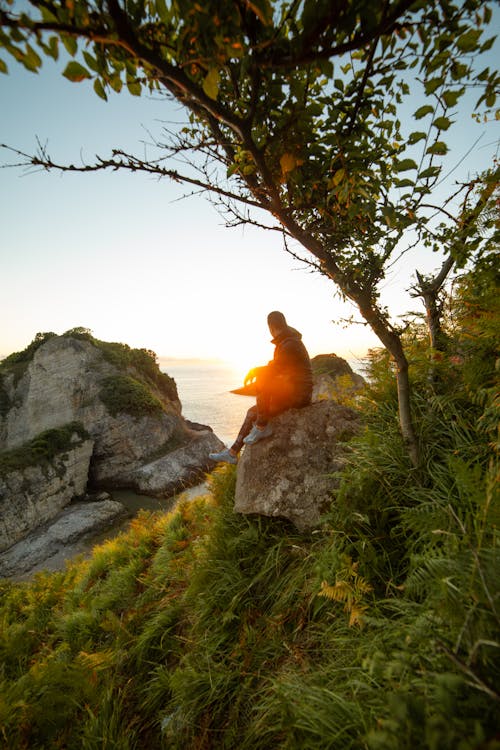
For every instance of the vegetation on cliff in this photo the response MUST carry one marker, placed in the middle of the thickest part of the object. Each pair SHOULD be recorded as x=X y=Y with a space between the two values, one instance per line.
x=208 y=629
x=143 y=362
x=44 y=448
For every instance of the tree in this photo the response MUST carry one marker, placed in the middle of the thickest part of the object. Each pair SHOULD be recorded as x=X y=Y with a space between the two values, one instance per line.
x=295 y=110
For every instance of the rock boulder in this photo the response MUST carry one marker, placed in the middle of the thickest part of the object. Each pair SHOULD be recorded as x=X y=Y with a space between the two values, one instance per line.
x=292 y=473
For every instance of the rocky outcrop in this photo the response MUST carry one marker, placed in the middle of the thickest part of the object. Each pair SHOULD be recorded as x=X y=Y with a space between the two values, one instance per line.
x=292 y=473
x=32 y=495
x=49 y=546
x=176 y=470
x=334 y=377
x=129 y=411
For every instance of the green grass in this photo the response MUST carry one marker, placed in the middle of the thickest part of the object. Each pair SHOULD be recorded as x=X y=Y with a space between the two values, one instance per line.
x=205 y=629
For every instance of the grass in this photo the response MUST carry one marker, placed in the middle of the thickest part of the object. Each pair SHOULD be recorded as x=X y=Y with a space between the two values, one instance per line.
x=204 y=629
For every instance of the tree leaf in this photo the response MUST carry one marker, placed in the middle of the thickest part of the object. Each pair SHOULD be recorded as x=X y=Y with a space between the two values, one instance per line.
x=438 y=149
x=442 y=123
x=432 y=85
x=31 y=59
x=91 y=62
x=3 y=66
x=423 y=111
x=450 y=97
x=429 y=172
x=416 y=136
x=404 y=165
x=134 y=87
x=75 y=72
x=211 y=83
x=468 y=41
x=99 y=89
x=71 y=44
x=287 y=163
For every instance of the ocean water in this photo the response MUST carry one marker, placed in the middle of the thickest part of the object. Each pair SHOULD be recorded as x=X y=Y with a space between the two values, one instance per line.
x=204 y=392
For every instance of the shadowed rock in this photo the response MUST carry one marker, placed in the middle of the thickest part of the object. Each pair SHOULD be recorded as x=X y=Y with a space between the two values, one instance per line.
x=292 y=474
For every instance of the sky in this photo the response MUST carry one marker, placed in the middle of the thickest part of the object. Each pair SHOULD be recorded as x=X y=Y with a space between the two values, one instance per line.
x=124 y=256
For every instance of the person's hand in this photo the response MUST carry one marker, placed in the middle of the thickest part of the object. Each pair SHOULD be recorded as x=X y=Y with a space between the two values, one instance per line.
x=250 y=376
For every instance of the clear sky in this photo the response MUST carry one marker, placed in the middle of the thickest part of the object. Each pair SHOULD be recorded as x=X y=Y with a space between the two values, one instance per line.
x=122 y=255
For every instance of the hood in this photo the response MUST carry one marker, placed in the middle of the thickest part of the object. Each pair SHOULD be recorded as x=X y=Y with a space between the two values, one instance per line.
x=289 y=333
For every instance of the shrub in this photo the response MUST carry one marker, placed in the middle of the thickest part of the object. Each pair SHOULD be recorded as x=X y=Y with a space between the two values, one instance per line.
x=123 y=394
x=43 y=448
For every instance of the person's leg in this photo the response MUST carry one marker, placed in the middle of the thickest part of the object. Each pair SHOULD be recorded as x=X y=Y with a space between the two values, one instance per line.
x=246 y=427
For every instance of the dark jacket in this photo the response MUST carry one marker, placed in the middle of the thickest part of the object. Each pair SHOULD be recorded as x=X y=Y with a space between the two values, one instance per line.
x=291 y=362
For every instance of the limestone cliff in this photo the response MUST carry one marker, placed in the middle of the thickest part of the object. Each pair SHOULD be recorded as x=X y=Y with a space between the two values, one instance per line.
x=128 y=410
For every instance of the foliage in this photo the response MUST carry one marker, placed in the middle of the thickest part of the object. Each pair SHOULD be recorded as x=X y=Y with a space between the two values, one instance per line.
x=302 y=109
x=43 y=448
x=123 y=394
x=208 y=629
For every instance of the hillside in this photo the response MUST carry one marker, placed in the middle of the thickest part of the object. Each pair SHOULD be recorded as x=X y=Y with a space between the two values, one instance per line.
x=208 y=629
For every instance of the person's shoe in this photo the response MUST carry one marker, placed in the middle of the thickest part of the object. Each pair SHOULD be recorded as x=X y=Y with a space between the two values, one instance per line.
x=224 y=456
x=257 y=434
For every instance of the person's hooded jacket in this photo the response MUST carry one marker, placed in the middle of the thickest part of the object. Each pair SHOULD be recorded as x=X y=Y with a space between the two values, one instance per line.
x=291 y=362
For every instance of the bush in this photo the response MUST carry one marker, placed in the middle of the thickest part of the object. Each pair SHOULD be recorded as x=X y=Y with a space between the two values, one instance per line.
x=123 y=394
x=43 y=448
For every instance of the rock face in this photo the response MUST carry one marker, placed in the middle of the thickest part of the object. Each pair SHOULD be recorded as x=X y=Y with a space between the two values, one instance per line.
x=34 y=495
x=292 y=473
x=334 y=376
x=128 y=410
x=48 y=547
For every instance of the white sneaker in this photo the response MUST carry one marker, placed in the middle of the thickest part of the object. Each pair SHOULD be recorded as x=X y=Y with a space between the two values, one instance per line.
x=224 y=456
x=257 y=434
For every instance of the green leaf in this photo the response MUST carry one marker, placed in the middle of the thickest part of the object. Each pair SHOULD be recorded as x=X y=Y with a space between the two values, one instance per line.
x=134 y=87
x=450 y=98
x=423 y=111
x=404 y=183
x=161 y=9
x=389 y=216
x=53 y=47
x=432 y=85
x=91 y=62
x=116 y=83
x=71 y=45
x=99 y=89
x=404 y=164
x=416 y=137
x=3 y=67
x=442 y=123
x=31 y=59
x=211 y=83
x=430 y=172
x=468 y=41
x=76 y=72
x=438 y=149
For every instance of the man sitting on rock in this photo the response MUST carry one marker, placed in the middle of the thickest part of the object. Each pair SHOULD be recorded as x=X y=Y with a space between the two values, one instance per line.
x=284 y=383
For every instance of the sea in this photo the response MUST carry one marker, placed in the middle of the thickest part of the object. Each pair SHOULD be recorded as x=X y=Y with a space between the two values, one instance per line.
x=204 y=392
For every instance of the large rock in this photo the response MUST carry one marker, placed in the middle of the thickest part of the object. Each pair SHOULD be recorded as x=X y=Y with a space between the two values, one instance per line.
x=49 y=546
x=33 y=495
x=334 y=378
x=179 y=468
x=292 y=473
x=120 y=399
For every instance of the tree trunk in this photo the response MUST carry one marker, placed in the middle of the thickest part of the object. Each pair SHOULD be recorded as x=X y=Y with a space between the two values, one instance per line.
x=392 y=342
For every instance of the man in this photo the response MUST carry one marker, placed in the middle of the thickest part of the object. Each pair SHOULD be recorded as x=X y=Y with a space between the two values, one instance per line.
x=284 y=383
